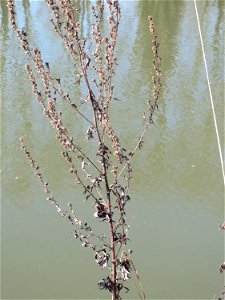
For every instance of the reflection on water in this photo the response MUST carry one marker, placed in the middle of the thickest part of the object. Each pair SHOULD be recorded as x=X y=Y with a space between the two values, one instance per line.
x=177 y=191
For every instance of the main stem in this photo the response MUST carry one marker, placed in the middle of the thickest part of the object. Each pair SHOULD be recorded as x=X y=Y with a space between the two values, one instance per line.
x=112 y=244
x=111 y=229
x=100 y=139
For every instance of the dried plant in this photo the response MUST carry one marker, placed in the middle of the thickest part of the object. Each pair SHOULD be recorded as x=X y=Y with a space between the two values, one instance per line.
x=100 y=178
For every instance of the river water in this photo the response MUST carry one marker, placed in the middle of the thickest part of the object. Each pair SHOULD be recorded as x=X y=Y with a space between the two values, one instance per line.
x=177 y=188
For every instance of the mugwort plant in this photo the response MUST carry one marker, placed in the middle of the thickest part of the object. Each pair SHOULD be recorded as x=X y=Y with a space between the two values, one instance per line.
x=105 y=180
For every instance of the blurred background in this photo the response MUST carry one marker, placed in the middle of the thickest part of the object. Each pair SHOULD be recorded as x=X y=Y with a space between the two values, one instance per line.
x=177 y=189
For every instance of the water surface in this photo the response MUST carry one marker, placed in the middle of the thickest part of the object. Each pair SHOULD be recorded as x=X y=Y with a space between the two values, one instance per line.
x=177 y=189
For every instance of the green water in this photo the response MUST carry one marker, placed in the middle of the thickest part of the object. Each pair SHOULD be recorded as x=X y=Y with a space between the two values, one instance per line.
x=177 y=189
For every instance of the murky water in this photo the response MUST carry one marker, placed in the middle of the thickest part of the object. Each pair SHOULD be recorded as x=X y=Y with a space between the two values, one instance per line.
x=177 y=189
